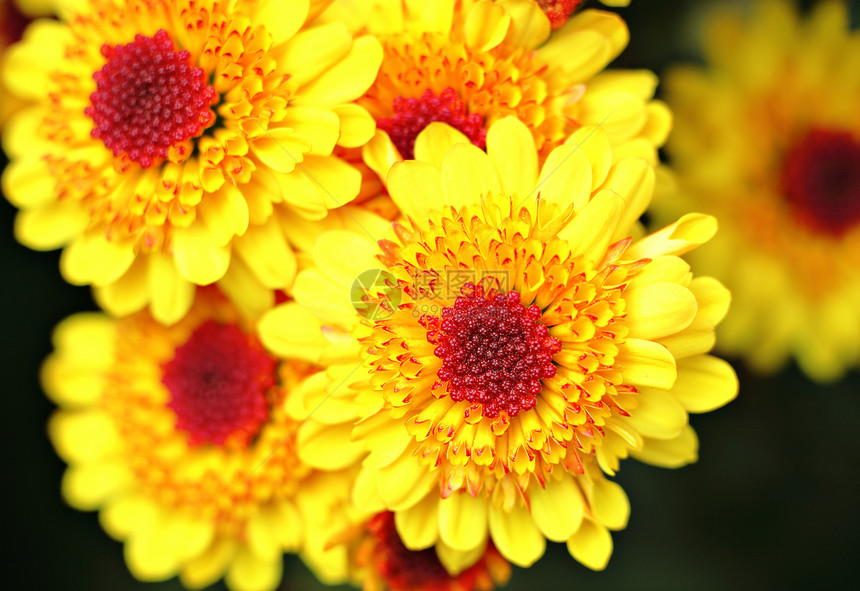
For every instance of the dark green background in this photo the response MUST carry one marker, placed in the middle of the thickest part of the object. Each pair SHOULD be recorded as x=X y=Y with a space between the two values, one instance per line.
x=772 y=503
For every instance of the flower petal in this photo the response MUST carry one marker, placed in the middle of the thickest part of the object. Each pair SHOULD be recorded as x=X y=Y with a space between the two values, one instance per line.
x=705 y=383
x=516 y=536
x=463 y=521
x=591 y=545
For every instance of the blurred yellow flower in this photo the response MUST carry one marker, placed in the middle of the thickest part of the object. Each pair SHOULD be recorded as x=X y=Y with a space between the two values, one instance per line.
x=173 y=143
x=513 y=344
x=768 y=140
x=179 y=437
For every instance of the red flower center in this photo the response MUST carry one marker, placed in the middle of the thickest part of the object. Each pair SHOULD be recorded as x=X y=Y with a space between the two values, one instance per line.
x=414 y=114
x=218 y=382
x=494 y=350
x=821 y=180
x=558 y=11
x=414 y=570
x=149 y=98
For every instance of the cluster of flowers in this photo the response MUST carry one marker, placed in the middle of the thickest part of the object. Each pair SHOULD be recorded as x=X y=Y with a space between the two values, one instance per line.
x=374 y=284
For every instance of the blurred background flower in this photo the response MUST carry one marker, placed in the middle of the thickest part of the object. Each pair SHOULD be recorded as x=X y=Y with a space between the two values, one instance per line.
x=770 y=504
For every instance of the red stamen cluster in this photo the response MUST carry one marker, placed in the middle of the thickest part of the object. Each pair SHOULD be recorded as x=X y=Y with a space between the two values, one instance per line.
x=494 y=350
x=218 y=382
x=821 y=180
x=413 y=115
x=414 y=570
x=558 y=11
x=148 y=98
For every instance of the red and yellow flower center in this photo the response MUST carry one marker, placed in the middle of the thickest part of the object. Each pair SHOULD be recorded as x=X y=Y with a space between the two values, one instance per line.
x=168 y=386
x=148 y=98
x=411 y=115
x=494 y=350
x=432 y=77
x=218 y=381
x=821 y=180
x=420 y=570
x=558 y=11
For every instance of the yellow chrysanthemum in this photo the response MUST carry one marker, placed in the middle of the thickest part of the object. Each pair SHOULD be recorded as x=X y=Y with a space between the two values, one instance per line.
x=768 y=140
x=172 y=143
x=511 y=347
x=179 y=437
x=471 y=63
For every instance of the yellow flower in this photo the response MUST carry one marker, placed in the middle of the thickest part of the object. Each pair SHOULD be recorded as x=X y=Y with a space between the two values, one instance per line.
x=768 y=140
x=471 y=63
x=345 y=544
x=179 y=437
x=174 y=143
x=518 y=346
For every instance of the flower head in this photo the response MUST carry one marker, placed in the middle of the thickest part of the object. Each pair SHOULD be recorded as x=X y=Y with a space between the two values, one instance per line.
x=179 y=437
x=173 y=143
x=533 y=343
x=769 y=141
x=469 y=64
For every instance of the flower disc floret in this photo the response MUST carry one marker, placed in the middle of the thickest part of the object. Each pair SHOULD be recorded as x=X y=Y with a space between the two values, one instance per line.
x=494 y=351
x=149 y=98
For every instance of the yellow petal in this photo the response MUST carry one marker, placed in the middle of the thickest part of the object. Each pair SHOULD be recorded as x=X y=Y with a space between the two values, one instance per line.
x=416 y=188
x=463 y=521
x=319 y=127
x=380 y=154
x=516 y=536
x=434 y=141
x=209 y=566
x=337 y=181
x=28 y=183
x=328 y=447
x=225 y=214
x=557 y=509
x=511 y=149
x=593 y=227
x=127 y=294
x=348 y=79
x=580 y=54
x=405 y=482
x=705 y=383
x=344 y=255
x=670 y=453
x=418 y=526
x=633 y=180
x=28 y=65
x=356 y=125
x=265 y=251
x=197 y=259
x=687 y=233
x=659 y=310
x=329 y=302
x=646 y=363
x=713 y=300
x=456 y=561
x=50 y=227
x=314 y=50
x=467 y=176
x=609 y=504
x=591 y=545
x=83 y=436
x=244 y=290
x=434 y=16
x=529 y=25
x=291 y=332
x=486 y=25
x=250 y=572
x=125 y=514
x=172 y=294
x=658 y=415
x=91 y=258
x=281 y=18
x=87 y=486
x=280 y=148
x=565 y=178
